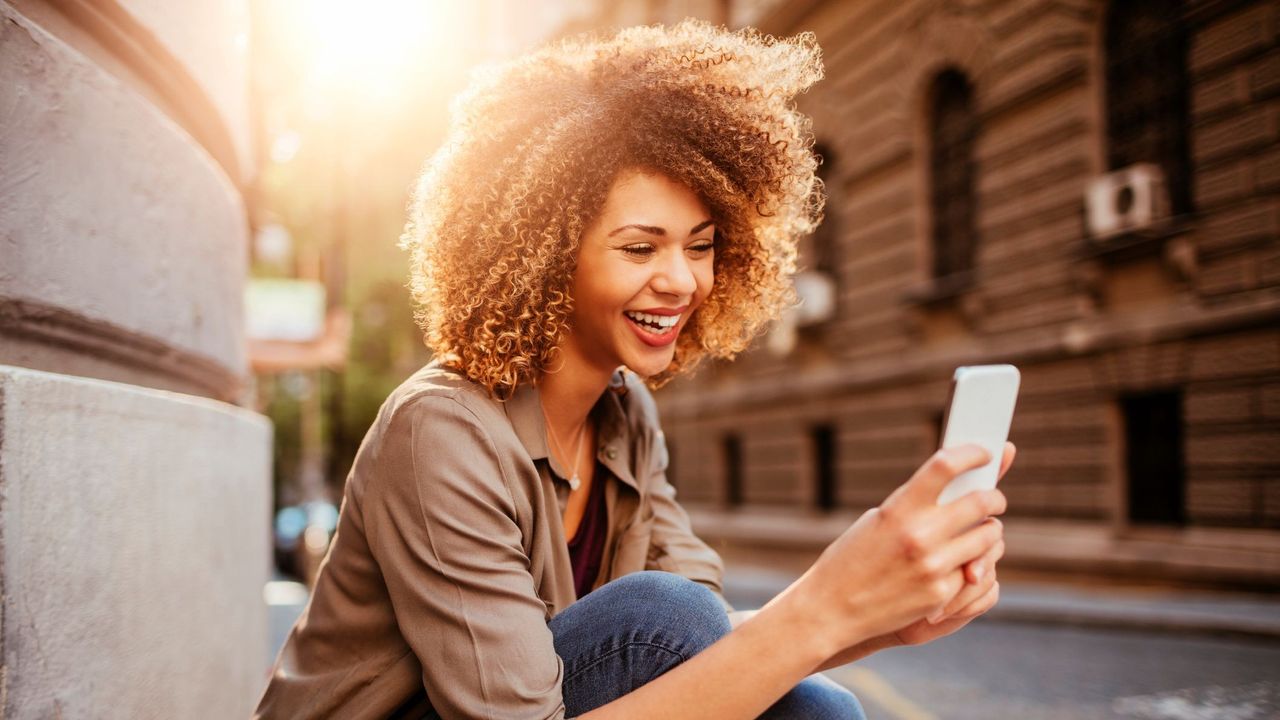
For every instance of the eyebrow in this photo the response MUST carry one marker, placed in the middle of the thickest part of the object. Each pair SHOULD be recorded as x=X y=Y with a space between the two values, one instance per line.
x=654 y=230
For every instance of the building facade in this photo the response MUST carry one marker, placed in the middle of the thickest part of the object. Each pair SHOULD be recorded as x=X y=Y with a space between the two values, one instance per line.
x=1088 y=190
x=135 y=522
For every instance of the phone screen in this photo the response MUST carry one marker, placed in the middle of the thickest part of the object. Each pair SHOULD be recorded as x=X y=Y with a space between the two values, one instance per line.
x=980 y=411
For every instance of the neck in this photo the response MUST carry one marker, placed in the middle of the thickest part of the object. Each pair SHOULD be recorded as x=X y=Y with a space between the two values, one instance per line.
x=569 y=393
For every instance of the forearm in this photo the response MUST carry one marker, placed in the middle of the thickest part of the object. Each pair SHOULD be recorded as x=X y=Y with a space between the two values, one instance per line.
x=844 y=657
x=739 y=676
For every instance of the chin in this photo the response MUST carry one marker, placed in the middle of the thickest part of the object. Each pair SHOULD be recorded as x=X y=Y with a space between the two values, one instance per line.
x=648 y=367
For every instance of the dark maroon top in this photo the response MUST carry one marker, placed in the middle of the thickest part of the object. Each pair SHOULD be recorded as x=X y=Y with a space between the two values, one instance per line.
x=587 y=546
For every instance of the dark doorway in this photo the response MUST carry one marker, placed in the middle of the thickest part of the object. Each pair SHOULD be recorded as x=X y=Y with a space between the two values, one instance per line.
x=823 y=438
x=732 y=447
x=1154 y=457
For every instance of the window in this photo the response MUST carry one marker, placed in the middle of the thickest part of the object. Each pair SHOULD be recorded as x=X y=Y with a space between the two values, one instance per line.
x=1145 y=42
x=953 y=127
x=1154 y=457
x=732 y=448
x=825 y=478
x=817 y=283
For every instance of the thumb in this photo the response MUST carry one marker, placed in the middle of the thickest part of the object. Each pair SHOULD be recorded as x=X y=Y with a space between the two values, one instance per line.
x=942 y=467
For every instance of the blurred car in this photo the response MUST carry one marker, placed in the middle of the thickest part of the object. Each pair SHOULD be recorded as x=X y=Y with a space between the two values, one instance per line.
x=302 y=535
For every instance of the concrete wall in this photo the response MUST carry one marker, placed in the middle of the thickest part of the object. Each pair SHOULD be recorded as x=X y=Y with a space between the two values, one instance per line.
x=211 y=41
x=124 y=244
x=134 y=551
x=135 y=525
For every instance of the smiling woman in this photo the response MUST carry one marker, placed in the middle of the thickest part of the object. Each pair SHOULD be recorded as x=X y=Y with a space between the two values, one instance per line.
x=605 y=214
x=637 y=280
x=536 y=145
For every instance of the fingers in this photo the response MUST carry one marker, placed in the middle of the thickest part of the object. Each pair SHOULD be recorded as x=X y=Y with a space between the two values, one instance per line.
x=926 y=484
x=980 y=575
x=973 y=509
x=975 y=570
x=966 y=597
x=945 y=589
x=971 y=545
x=1010 y=452
x=984 y=603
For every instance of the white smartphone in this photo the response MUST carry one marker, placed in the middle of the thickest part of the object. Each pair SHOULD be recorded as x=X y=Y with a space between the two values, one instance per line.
x=979 y=411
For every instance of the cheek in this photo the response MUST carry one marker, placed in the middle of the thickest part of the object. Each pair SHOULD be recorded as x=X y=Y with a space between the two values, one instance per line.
x=601 y=300
x=705 y=275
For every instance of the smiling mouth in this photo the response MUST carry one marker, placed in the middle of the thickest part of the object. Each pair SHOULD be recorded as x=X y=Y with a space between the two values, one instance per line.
x=654 y=324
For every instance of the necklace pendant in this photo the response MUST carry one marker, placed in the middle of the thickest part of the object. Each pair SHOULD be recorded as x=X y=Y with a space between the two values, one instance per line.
x=574 y=482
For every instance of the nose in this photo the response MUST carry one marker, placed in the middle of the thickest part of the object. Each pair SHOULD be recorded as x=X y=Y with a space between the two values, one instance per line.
x=674 y=275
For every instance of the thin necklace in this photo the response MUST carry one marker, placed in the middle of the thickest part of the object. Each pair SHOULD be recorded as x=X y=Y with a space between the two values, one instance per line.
x=575 y=481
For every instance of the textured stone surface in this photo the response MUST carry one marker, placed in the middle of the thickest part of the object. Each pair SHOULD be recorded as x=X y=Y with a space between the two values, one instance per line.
x=211 y=40
x=108 y=209
x=135 y=549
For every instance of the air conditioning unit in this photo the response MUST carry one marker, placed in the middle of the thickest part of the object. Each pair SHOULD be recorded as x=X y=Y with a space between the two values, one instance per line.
x=817 y=293
x=1126 y=200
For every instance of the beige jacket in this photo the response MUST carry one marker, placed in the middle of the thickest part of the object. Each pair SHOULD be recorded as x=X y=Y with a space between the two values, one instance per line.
x=450 y=556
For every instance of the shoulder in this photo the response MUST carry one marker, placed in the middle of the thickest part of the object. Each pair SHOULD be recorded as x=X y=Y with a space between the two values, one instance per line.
x=440 y=406
x=434 y=387
x=441 y=435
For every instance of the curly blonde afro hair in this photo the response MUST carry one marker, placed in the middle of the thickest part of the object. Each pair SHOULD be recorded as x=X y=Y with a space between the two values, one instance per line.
x=533 y=149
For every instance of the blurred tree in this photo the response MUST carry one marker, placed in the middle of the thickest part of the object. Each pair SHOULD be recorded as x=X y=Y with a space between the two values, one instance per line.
x=351 y=102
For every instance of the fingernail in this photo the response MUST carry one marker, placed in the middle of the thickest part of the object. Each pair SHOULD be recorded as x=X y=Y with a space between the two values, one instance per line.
x=978 y=572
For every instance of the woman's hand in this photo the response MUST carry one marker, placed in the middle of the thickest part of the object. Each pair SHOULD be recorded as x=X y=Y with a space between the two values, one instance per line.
x=902 y=561
x=979 y=595
x=924 y=631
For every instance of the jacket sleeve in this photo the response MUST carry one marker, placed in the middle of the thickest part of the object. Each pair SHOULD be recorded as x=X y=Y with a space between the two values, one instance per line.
x=443 y=530
x=673 y=546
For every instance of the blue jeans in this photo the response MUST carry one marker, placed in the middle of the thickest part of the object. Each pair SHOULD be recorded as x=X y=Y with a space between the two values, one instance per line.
x=633 y=629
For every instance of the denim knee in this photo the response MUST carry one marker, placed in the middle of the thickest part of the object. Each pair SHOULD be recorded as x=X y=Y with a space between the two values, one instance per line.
x=817 y=697
x=670 y=600
x=631 y=630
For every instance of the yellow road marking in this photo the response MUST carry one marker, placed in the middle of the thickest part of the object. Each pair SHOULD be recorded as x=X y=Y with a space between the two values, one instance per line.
x=868 y=684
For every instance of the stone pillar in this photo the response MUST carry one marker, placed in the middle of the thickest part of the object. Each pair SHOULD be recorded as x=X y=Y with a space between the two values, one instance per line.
x=134 y=493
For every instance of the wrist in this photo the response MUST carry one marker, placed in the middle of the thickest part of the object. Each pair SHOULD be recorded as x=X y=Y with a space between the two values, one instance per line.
x=805 y=624
x=859 y=651
x=884 y=642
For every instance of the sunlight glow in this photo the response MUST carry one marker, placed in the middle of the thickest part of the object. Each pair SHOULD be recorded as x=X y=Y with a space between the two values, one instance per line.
x=365 y=41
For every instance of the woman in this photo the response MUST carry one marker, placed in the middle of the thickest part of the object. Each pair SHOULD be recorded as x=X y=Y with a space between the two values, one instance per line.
x=604 y=215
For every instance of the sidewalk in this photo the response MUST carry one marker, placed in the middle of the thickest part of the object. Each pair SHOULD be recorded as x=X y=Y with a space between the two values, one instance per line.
x=1257 y=616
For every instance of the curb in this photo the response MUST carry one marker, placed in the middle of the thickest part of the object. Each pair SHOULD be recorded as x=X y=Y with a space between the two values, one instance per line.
x=1256 y=617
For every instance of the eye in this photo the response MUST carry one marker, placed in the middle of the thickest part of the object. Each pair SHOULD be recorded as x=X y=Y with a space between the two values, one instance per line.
x=642 y=250
x=702 y=247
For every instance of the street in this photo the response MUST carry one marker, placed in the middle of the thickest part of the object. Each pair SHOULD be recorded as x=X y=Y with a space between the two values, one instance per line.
x=1016 y=670
x=1000 y=668
x=1064 y=651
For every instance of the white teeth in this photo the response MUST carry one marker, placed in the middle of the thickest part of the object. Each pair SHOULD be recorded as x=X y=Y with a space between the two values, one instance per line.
x=665 y=322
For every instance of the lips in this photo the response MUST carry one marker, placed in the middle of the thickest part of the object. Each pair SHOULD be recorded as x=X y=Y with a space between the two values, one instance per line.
x=656 y=322
x=653 y=330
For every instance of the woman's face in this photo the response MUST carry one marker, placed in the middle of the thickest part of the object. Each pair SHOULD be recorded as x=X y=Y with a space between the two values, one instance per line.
x=644 y=266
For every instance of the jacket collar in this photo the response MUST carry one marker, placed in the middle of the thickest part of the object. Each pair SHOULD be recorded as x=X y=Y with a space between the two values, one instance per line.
x=613 y=447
